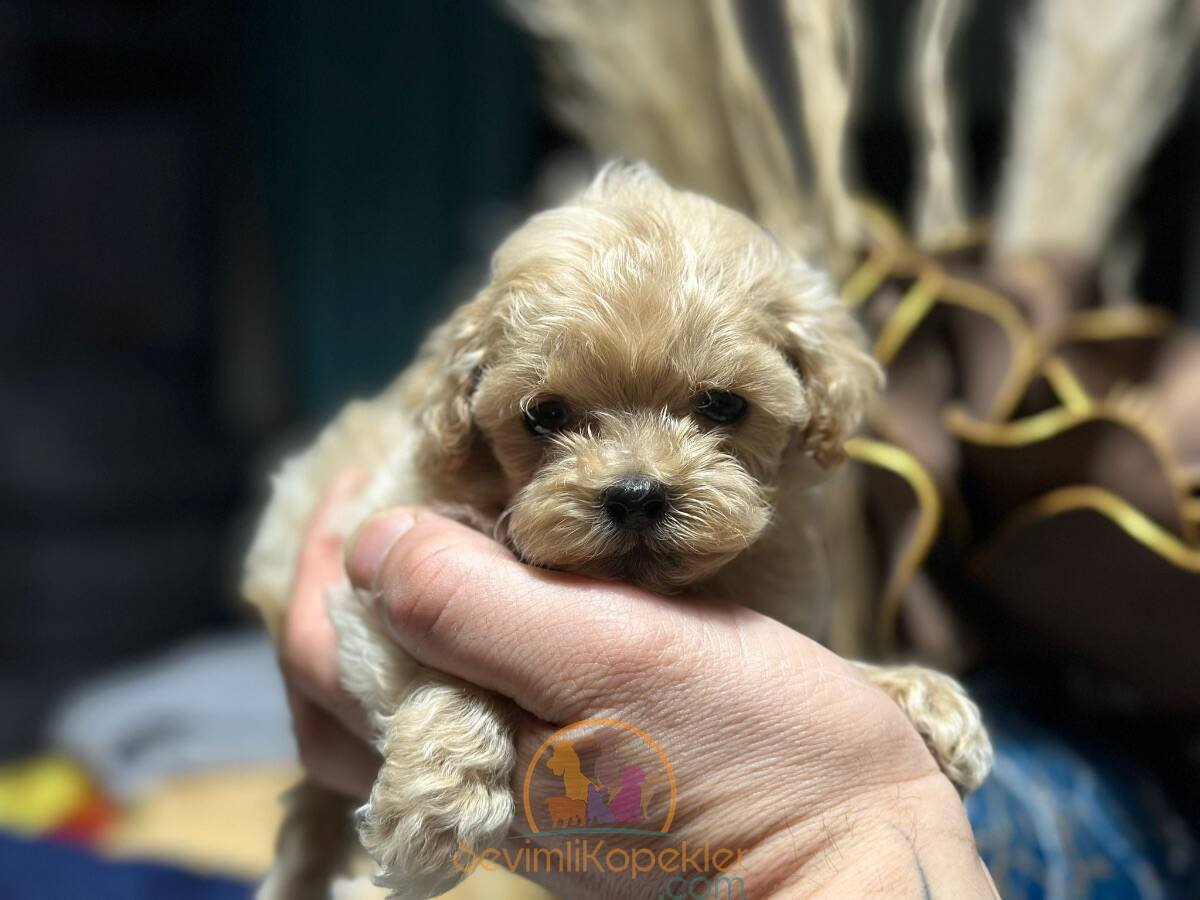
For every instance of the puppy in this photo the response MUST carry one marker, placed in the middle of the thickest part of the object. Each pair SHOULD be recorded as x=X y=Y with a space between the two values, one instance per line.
x=650 y=388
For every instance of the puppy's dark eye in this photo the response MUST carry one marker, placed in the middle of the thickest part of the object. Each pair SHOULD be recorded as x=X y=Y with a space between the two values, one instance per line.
x=546 y=417
x=721 y=407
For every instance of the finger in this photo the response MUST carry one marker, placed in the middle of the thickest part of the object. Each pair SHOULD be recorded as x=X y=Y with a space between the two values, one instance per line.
x=331 y=754
x=556 y=644
x=309 y=645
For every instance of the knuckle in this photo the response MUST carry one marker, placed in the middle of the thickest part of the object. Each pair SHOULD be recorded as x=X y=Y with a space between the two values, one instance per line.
x=425 y=581
x=650 y=648
x=637 y=653
x=662 y=645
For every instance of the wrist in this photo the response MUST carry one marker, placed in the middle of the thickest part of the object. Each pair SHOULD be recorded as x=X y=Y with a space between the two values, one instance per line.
x=908 y=840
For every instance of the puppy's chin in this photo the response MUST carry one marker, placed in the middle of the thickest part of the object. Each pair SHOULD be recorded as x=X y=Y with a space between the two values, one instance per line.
x=716 y=511
x=646 y=563
x=655 y=570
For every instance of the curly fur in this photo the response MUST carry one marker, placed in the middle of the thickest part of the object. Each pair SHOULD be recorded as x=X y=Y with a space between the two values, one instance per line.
x=718 y=507
x=943 y=715
x=623 y=304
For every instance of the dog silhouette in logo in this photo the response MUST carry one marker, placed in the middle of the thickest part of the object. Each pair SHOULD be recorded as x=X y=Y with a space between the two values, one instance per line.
x=565 y=762
x=654 y=782
x=608 y=765
x=626 y=806
x=565 y=812
x=598 y=812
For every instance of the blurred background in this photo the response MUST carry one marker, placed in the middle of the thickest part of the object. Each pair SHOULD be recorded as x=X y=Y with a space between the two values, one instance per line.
x=218 y=222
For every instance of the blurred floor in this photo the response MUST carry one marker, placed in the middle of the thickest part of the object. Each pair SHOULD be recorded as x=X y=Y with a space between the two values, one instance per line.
x=224 y=822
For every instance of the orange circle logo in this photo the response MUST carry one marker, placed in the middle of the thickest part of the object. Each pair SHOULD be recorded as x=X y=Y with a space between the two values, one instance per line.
x=602 y=776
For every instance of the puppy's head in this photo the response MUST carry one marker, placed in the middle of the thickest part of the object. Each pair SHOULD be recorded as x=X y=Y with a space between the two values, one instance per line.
x=643 y=373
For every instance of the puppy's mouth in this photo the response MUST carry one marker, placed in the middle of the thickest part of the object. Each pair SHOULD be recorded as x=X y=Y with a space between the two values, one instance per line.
x=628 y=555
x=647 y=558
x=655 y=568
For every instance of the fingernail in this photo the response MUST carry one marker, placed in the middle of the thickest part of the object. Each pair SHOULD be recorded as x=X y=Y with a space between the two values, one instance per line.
x=372 y=543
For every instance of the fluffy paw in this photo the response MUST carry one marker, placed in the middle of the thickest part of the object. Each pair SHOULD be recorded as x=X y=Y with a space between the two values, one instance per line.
x=448 y=755
x=945 y=717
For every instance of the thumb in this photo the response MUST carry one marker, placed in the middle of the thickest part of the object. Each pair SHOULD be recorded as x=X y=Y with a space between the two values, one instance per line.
x=559 y=645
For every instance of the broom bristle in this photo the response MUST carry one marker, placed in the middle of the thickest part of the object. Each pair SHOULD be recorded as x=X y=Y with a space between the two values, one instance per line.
x=939 y=207
x=673 y=83
x=781 y=201
x=1097 y=81
x=825 y=48
x=637 y=79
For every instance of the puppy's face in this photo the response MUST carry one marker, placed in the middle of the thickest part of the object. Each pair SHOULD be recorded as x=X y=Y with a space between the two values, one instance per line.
x=644 y=366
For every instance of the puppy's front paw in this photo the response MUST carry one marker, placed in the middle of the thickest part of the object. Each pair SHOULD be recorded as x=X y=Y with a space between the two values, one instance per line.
x=944 y=716
x=444 y=785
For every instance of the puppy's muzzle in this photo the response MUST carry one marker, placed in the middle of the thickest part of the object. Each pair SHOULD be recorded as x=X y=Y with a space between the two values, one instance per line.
x=635 y=503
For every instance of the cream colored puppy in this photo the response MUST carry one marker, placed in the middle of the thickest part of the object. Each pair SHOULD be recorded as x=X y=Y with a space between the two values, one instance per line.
x=650 y=388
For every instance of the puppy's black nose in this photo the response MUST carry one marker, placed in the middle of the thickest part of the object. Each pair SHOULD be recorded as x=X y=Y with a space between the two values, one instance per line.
x=635 y=502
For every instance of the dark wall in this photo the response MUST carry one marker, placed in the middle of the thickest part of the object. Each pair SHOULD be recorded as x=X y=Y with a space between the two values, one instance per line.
x=382 y=132
x=116 y=472
x=217 y=220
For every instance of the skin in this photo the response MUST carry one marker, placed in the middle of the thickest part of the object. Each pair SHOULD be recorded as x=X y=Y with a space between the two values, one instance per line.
x=865 y=812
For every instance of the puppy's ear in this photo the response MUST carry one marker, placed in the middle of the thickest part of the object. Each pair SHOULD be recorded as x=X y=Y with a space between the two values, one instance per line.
x=449 y=366
x=827 y=346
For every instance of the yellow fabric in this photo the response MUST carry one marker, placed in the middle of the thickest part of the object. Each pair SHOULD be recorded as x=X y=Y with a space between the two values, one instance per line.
x=222 y=821
x=929 y=504
x=38 y=794
x=893 y=257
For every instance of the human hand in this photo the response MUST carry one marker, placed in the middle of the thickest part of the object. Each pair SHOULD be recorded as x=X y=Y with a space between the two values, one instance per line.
x=330 y=727
x=780 y=747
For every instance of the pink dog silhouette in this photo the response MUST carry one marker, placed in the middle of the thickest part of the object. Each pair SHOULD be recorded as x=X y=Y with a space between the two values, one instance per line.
x=626 y=806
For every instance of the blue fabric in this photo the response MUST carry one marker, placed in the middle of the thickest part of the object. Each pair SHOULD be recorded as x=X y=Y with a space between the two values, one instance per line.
x=40 y=870
x=1059 y=818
